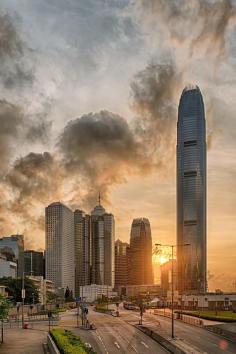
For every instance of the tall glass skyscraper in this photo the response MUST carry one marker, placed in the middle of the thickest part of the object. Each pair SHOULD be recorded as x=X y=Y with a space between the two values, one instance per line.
x=140 y=253
x=191 y=192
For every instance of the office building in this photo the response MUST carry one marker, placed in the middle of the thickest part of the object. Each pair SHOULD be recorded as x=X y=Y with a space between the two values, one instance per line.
x=82 y=250
x=93 y=292
x=191 y=192
x=44 y=287
x=8 y=268
x=121 y=263
x=60 y=260
x=16 y=244
x=140 y=258
x=103 y=246
x=166 y=276
x=34 y=263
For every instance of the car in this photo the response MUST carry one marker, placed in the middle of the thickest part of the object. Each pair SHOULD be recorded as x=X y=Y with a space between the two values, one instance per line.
x=115 y=313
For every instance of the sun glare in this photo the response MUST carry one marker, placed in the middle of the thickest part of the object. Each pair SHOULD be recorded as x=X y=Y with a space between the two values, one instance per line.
x=160 y=259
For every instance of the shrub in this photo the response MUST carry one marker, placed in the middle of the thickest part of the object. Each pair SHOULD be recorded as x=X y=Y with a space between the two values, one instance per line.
x=68 y=343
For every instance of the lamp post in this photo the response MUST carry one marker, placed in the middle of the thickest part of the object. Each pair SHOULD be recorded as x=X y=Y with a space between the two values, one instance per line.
x=23 y=297
x=172 y=281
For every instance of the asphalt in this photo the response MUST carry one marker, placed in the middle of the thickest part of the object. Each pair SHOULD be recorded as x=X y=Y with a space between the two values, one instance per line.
x=113 y=335
x=196 y=337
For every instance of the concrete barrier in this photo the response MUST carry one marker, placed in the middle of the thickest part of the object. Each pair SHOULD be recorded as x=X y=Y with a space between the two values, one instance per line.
x=166 y=313
x=191 y=320
x=222 y=332
x=52 y=345
x=177 y=316
x=170 y=346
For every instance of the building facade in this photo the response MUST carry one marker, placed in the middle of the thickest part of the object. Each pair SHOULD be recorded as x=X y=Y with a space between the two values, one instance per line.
x=44 y=287
x=34 y=263
x=140 y=254
x=121 y=263
x=103 y=246
x=166 y=276
x=191 y=192
x=16 y=244
x=93 y=292
x=8 y=268
x=82 y=250
x=60 y=259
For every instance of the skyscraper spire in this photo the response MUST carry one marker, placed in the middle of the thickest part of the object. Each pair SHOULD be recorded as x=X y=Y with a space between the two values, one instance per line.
x=99 y=198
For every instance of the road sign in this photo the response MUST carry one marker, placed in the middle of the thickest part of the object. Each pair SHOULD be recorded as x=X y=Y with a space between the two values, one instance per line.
x=23 y=293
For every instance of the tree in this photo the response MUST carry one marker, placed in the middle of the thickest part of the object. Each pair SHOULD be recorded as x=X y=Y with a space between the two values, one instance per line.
x=14 y=286
x=4 y=308
x=67 y=293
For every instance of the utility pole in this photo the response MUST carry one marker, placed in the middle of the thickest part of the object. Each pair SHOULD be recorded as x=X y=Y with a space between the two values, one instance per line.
x=172 y=280
x=23 y=297
x=172 y=292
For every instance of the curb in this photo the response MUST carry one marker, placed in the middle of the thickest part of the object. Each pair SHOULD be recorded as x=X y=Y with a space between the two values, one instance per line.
x=161 y=340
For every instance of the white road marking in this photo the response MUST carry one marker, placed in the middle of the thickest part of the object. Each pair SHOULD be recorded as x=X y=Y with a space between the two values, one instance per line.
x=100 y=338
x=117 y=345
x=145 y=345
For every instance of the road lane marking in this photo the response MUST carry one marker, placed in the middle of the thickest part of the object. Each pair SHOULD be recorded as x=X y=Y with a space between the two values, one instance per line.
x=117 y=345
x=145 y=345
x=100 y=338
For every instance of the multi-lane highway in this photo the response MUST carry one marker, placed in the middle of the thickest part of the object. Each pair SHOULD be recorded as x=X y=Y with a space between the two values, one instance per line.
x=113 y=335
x=197 y=338
x=118 y=334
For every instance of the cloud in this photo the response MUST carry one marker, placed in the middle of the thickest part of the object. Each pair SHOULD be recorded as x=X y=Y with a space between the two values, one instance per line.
x=11 y=119
x=202 y=24
x=15 y=71
x=102 y=148
x=153 y=98
x=33 y=181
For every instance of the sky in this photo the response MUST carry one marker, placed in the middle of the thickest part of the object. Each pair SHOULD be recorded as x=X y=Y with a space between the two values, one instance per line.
x=89 y=100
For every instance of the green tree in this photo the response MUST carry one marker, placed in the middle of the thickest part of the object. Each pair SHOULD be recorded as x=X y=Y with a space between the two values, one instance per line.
x=14 y=286
x=4 y=308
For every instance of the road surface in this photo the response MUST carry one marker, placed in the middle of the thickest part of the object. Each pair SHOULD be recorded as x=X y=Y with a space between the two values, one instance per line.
x=113 y=335
x=196 y=337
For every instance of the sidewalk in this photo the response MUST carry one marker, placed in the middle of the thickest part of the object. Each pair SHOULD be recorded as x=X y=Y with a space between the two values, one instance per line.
x=23 y=341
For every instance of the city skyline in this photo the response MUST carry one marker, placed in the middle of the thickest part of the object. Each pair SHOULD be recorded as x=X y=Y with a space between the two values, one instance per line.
x=89 y=97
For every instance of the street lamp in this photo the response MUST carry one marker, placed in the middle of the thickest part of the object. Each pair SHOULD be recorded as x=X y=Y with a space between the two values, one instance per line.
x=172 y=280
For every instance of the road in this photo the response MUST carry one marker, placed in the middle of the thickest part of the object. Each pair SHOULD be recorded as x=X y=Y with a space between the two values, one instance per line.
x=113 y=335
x=198 y=338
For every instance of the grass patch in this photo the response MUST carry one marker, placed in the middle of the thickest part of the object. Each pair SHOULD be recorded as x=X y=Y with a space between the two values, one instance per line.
x=221 y=316
x=68 y=343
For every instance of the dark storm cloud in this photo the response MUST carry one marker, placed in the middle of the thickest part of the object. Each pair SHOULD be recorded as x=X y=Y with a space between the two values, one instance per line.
x=202 y=23
x=14 y=70
x=11 y=120
x=34 y=178
x=16 y=74
x=11 y=45
x=153 y=97
x=102 y=149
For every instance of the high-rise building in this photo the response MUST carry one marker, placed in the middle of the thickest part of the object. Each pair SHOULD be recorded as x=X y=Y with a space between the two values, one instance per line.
x=103 y=246
x=34 y=263
x=121 y=263
x=191 y=192
x=140 y=258
x=60 y=260
x=166 y=276
x=82 y=250
x=16 y=243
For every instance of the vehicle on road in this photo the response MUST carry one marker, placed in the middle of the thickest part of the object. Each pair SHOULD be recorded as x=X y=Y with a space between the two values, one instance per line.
x=128 y=305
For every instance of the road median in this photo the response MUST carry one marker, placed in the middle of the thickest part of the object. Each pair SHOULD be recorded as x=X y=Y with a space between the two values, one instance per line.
x=174 y=346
